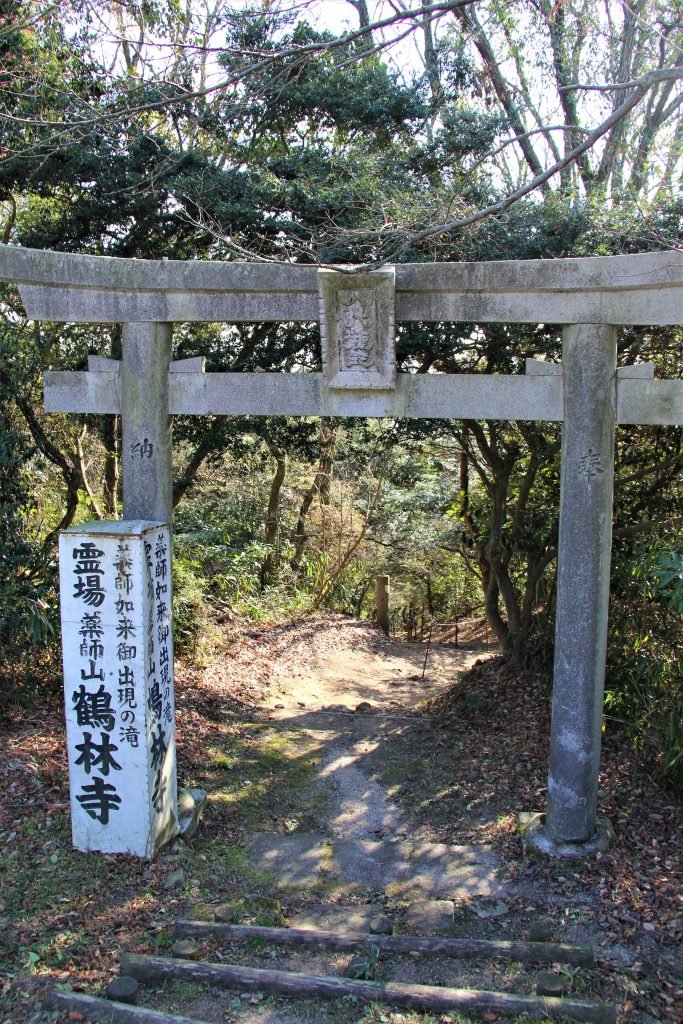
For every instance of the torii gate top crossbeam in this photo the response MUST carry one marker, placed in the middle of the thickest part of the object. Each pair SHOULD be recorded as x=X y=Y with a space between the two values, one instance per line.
x=646 y=288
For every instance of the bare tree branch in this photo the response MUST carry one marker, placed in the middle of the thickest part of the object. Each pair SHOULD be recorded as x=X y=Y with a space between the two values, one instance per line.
x=415 y=237
x=257 y=66
x=651 y=78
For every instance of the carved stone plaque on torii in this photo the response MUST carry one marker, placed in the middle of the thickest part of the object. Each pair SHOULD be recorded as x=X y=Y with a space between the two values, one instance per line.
x=587 y=393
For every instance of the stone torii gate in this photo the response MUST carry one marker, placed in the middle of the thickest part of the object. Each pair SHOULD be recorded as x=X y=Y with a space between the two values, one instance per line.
x=590 y=297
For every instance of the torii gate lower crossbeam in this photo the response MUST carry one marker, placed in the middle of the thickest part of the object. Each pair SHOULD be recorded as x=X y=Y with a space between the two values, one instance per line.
x=586 y=393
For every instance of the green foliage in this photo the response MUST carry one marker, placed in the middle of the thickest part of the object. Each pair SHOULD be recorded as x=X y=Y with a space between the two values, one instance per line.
x=324 y=158
x=189 y=604
x=644 y=699
x=25 y=621
x=365 y=966
x=474 y=701
x=670 y=576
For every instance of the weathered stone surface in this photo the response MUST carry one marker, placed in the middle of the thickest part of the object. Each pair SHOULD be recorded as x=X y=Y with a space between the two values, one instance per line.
x=335 y=918
x=366 y=863
x=191 y=806
x=186 y=949
x=542 y=368
x=173 y=857
x=432 y=396
x=429 y=917
x=118 y=685
x=427 y=396
x=357 y=328
x=194 y=364
x=649 y=401
x=201 y=911
x=227 y=913
x=438 y=869
x=253 y=909
x=537 y=839
x=82 y=391
x=123 y=989
x=146 y=422
x=549 y=984
x=381 y=925
x=427 y=869
x=589 y=363
x=638 y=289
x=175 y=880
x=636 y=371
x=488 y=908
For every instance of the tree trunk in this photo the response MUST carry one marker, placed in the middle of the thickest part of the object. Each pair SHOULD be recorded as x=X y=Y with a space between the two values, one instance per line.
x=188 y=477
x=430 y=594
x=491 y=607
x=300 y=535
x=358 y=601
x=320 y=483
x=109 y=435
x=271 y=560
x=68 y=468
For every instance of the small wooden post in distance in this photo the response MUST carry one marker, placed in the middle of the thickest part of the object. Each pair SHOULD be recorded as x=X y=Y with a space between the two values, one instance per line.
x=382 y=602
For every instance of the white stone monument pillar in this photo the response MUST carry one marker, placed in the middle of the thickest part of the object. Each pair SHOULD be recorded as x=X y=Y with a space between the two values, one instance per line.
x=115 y=586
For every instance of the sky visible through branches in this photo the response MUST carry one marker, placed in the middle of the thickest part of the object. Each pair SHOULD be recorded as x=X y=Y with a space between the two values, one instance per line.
x=589 y=95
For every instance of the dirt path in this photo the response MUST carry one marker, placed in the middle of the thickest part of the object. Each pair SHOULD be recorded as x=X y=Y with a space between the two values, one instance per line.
x=352 y=703
x=368 y=668
x=358 y=853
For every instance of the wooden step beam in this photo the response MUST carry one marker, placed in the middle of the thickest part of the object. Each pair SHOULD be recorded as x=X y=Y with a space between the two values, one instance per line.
x=489 y=949
x=416 y=997
x=106 y=1010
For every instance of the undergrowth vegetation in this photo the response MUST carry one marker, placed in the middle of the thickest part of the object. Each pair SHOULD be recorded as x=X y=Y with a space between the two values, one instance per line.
x=391 y=513
x=644 y=689
x=383 y=502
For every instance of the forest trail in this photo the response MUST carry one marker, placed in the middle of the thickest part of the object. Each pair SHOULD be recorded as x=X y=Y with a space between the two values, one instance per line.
x=355 y=855
x=349 y=792
x=368 y=667
x=352 y=700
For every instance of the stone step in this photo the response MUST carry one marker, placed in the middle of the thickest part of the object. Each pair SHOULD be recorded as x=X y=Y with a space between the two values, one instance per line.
x=334 y=917
x=407 y=867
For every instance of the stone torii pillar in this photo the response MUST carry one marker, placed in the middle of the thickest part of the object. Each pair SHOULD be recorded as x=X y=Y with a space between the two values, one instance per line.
x=146 y=422
x=586 y=393
x=589 y=357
